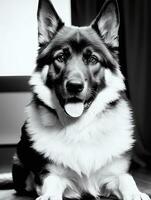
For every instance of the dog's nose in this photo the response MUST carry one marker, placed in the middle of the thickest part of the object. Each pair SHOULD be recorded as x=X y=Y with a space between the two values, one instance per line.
x=74 y=86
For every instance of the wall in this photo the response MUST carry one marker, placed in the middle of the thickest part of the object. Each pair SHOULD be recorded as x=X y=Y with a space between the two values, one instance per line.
x=18 y=47
x=18 y=28
x=12 y=115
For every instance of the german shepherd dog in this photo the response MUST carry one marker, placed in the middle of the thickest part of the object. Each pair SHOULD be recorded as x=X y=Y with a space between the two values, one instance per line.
x=79 y=128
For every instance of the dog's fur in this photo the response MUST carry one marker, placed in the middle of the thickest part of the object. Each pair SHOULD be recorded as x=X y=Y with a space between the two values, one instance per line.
x=62 y=156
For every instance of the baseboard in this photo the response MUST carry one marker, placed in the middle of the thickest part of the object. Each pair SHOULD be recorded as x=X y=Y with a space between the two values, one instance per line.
x=14 y=84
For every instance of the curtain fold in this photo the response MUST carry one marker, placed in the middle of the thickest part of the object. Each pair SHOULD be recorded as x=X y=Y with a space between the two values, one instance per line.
x=136 y=21
x=135 y=59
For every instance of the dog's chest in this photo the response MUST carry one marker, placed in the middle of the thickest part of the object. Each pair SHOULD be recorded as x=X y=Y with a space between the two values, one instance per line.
x=83 y=148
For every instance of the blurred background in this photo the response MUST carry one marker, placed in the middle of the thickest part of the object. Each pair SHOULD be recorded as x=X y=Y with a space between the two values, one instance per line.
x=18 y=49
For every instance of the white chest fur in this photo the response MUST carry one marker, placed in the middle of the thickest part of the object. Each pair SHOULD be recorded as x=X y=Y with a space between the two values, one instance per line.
x=85 y=148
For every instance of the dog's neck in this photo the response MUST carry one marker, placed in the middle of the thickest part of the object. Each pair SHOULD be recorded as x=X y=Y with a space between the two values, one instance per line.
x=99 y=105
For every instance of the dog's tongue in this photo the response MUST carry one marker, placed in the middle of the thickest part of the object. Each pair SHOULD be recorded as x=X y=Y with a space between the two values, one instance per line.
x=74 y=109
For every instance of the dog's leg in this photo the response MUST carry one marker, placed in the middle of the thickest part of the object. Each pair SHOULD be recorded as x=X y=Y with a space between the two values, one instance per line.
x=124 y=187
x=53 y=187
x=19 y=174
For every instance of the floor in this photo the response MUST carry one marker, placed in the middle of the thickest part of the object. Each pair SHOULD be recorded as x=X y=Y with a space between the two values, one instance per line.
x=11 y=195
x=142 y=178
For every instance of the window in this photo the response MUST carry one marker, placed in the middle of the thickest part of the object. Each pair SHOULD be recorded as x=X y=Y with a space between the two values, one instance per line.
x=18 y=41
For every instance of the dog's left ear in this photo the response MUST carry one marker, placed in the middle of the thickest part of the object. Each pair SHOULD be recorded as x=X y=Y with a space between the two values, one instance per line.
x=48 y=21
x=107 y=23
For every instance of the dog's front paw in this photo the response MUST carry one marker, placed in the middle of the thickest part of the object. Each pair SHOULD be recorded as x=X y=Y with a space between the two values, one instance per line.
x=135 y=196
x=47 y=197
x=125 y=188
x=43 y=197
x=144 y=196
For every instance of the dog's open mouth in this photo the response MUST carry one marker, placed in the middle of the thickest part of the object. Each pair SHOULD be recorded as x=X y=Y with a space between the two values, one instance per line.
x=74 y=107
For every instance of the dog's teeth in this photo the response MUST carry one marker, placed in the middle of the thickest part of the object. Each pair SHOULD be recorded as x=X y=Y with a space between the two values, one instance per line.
x=74 y=109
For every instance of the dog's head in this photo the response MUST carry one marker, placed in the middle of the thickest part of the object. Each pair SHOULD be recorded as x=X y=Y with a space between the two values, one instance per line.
x=72 y=61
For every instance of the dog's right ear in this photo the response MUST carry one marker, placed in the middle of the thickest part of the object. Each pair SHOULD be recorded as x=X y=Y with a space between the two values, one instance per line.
x=48 y=21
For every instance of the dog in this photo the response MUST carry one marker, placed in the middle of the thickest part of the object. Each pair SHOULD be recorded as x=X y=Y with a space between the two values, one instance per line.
x=78 y=134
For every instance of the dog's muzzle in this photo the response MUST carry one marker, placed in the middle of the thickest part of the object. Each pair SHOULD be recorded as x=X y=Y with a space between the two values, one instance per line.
x=74 y=106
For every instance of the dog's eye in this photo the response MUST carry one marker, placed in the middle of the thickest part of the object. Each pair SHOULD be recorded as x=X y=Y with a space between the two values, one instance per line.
x=60 y=58
x=93 y=60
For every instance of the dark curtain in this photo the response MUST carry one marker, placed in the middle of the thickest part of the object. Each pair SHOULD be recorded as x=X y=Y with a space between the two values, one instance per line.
x=135 y=60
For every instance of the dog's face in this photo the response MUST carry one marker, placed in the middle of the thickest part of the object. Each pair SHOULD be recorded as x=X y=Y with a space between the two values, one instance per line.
x=73 y=59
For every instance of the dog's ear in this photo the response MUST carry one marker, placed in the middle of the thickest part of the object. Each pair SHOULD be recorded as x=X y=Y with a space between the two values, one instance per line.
x=107 y=23
x=48 y=21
